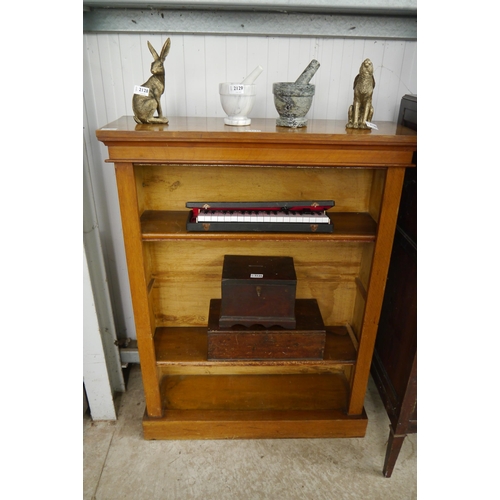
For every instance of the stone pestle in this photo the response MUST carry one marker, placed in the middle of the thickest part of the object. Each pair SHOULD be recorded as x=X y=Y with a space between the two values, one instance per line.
x=308 y=73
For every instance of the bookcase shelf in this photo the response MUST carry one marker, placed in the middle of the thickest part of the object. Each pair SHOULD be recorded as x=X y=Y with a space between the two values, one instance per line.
x=174 y=274
x=187 y=347
x=168 y=225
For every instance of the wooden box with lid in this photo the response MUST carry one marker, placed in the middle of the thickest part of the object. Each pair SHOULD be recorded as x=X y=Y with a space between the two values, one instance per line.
x=306 y=341
x=258 y=290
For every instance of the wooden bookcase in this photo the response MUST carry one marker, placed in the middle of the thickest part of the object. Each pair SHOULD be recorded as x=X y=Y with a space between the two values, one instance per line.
x=174 y=273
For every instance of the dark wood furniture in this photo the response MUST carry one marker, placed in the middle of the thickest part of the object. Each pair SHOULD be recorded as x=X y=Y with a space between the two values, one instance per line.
x=175 y=273
x=306 y=341
x=258 y=290
x=394 y=366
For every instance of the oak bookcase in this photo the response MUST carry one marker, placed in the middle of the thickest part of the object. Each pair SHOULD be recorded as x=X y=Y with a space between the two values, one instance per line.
x=174 y=274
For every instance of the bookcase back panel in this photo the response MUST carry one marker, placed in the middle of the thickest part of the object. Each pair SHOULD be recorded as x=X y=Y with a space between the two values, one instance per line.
x=191 y=275
x=169 y=187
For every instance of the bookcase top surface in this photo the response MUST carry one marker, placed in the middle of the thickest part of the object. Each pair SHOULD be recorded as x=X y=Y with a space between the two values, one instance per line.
x=199 y=128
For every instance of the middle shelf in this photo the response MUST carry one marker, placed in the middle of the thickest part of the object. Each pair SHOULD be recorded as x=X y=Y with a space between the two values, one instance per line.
x=168 y=225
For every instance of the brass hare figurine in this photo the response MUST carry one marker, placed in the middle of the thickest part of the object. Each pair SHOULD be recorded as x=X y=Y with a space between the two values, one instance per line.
x=144 y=106
x=361 y=111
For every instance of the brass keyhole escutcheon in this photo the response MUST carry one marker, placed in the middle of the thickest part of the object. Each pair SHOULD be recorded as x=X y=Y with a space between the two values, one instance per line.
x=258 y=290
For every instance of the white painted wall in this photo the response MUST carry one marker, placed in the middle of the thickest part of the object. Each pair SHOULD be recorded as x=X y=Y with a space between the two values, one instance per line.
x=114 y=63
x=95 y=371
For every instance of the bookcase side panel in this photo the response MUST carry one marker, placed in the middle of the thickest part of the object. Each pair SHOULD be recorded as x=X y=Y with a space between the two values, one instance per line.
x=376 y=192
x=375 y=292
x=141 y=205
x=127 y=190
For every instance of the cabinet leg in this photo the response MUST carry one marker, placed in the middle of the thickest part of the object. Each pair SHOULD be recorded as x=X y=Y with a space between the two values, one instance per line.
x=393 y=449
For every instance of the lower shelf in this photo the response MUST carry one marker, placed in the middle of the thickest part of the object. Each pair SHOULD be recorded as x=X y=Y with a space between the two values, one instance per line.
x=254 y=406
x=183 y=349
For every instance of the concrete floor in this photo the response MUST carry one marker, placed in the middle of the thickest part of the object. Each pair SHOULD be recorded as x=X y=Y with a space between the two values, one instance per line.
x=119 y=464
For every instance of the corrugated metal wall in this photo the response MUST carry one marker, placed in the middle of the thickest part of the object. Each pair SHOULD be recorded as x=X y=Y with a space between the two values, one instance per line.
x=114 y=63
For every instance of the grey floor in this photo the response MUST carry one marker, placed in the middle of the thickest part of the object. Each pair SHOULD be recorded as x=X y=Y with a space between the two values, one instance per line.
x=119 y=464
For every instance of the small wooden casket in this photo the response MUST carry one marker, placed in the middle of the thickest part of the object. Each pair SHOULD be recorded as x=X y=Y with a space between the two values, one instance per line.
x=259 y=343
x=258 y=291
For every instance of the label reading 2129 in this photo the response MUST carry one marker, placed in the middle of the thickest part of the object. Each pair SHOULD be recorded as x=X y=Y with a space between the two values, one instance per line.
x=236 y=89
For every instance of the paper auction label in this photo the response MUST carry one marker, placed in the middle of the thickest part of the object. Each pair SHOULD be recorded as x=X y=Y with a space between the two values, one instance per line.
x=141 y=90
x=236 y=89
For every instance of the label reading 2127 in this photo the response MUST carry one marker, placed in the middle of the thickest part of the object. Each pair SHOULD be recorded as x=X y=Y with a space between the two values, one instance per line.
x=236 y=89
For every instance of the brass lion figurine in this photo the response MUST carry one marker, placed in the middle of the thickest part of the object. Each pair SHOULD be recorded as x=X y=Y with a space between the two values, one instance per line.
x=361 y=111
x=144 y=106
